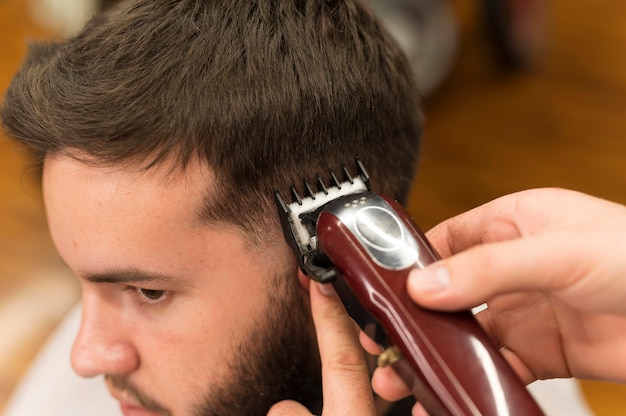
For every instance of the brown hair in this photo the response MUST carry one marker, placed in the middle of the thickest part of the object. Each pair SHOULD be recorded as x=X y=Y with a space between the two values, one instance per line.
x=266 y=93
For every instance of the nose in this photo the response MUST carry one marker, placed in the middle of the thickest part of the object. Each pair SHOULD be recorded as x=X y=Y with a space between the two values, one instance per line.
x=100 y=346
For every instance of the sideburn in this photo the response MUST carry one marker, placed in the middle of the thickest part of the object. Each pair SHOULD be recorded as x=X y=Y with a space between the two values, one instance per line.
x=279 y=358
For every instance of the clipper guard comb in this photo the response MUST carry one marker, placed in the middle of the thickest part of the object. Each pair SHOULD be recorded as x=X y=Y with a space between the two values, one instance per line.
x=365 y=245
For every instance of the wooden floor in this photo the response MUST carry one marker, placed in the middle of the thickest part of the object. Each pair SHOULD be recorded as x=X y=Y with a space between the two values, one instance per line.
x=488 y=132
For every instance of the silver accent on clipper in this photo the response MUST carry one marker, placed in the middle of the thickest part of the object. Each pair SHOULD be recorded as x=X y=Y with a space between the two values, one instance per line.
x=378 y=229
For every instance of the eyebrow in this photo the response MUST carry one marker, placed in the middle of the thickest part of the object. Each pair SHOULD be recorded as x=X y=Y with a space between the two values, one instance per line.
x=128 y=276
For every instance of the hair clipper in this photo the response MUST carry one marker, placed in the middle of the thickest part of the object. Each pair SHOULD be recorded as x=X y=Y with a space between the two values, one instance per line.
x=365 y=244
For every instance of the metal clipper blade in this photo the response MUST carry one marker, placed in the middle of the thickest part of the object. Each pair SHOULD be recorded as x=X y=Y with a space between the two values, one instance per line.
x=298 y=217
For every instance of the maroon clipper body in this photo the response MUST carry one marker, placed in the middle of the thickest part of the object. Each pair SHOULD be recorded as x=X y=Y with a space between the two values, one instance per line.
x=365 y=245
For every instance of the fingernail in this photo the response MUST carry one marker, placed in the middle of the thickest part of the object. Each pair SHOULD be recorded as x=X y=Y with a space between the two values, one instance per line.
x=433 y=279
x=326 y=289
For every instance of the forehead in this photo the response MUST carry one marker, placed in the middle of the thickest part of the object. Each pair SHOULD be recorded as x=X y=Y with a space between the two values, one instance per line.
x=98 y=213
x=113 y=187
x=102 y=217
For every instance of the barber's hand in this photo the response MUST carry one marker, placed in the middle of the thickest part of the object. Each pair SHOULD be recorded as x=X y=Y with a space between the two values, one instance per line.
x=345 y=378
x=551 y=265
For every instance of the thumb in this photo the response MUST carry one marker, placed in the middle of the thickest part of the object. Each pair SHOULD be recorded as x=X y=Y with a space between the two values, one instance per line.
x=476 y=275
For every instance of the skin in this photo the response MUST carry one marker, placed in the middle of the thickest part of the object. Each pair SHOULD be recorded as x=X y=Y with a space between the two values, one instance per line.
x=114 y=224
x=550 y=265
x=175 y=312
x=346 y=383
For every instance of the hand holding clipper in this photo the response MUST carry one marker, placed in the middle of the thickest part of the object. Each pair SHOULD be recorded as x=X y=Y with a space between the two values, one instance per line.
x=365 y=245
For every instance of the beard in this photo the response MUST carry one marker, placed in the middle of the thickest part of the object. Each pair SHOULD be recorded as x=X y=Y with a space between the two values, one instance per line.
x=277 y=360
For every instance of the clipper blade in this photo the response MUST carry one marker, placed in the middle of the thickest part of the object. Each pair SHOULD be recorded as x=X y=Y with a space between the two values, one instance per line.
x=298 y=217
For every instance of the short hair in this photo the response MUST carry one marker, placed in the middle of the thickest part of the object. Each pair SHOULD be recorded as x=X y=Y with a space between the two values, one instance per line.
x=266 y=93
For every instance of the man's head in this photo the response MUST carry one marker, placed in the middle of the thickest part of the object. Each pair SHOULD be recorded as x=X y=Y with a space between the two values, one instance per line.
x=164 y=128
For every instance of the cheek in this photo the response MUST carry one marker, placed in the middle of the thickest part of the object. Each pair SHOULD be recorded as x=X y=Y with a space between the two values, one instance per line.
x=192 y=345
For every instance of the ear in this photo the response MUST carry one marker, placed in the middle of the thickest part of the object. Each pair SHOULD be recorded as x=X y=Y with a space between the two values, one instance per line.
x=305 y=281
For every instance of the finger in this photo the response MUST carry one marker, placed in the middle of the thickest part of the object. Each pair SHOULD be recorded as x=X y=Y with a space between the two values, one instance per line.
x=288 y=408
x=497 y=220
x=369 y=344
x=388 y=385
x=478 y=274
x=519 y=367
x=564 y=242
x=345 y=378
x=515 y=215
x=418 y=410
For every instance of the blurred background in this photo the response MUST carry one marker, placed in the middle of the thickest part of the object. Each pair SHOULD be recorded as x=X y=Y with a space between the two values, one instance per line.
x=545 y=110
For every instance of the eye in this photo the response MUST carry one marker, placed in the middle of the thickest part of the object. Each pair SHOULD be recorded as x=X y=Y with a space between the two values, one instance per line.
x=149 y=296
x=152 y=295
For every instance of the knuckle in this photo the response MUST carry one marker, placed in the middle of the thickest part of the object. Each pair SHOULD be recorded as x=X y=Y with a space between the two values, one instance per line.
x=347 y=359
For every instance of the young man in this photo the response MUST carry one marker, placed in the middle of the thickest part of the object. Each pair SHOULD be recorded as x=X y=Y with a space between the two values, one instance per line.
x=164 y=128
